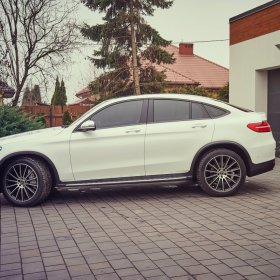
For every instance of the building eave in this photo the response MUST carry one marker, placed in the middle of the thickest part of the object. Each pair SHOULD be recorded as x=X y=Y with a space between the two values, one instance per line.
x=253 y=11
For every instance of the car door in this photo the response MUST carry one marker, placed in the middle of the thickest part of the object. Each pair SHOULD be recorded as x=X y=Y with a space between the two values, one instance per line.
x=116 y=148
x=176 y=130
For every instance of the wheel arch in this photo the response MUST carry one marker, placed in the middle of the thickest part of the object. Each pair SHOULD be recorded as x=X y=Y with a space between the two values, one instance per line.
x=36 y=155
x=233 y=146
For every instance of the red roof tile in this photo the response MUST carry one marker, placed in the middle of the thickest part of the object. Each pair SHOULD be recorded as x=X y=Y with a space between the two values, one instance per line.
x=174 y=77
x=193 y=69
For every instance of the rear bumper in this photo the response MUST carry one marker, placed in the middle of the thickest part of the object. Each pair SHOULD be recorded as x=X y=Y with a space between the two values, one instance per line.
x=256 y=169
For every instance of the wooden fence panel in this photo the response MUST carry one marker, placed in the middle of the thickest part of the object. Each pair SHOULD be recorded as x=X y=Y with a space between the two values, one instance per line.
x=53 y=114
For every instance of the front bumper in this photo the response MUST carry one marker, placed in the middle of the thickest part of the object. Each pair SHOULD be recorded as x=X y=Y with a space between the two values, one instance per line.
x=256 y=169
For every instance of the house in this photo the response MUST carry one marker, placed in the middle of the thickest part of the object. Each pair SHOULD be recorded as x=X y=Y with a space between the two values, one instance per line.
x=86 y=101
x=255 y=61
x=188 y=70
x=85 y=96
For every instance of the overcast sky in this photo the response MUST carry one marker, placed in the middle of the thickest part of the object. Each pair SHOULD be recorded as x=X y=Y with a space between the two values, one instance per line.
x=185 y=21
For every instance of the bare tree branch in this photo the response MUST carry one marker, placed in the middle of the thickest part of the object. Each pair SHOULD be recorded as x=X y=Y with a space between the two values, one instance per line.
x=36 y=36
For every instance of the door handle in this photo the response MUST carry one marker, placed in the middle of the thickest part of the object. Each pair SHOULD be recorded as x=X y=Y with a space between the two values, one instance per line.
x=133 y=130
x=199 y=126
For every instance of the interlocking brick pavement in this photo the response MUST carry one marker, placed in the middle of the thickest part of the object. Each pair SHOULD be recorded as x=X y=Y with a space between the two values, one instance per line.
x=146 y=233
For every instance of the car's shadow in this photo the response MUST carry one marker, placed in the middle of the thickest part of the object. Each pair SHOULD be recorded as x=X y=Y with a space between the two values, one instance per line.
x=189 y=190
x=123 y=194
x=127 y=193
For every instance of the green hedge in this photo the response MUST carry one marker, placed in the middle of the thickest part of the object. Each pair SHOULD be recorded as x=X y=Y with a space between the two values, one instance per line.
x=13 y=121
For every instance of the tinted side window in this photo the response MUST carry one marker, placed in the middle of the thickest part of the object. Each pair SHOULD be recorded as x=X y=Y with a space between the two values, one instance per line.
x=198 y=111
x=121 y=114
x=171 y=110
x=215 y=112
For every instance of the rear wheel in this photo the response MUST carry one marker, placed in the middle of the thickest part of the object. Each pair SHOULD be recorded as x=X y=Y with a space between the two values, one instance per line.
x=221 y=172
x=26 y=182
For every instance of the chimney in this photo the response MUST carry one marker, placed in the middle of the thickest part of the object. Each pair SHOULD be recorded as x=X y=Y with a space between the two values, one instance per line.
x=186 y=48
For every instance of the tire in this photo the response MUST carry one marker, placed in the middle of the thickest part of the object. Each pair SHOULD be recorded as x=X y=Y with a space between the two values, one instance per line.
x=26 y=182
x=221 y=172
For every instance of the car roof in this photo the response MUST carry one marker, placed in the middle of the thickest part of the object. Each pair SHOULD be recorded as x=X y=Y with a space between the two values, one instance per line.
x=189 y=97
x=162 y=95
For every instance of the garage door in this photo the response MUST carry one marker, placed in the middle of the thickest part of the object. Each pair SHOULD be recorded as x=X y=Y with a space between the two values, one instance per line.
x=274 y=102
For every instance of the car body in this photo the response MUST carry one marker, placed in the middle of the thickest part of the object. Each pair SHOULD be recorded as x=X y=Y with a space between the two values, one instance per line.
x=146 y=139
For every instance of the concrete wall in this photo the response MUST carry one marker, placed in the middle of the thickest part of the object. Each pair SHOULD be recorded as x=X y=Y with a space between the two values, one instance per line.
x=249 y=62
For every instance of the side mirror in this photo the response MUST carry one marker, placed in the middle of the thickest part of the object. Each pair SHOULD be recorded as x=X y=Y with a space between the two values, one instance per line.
x=87 y=126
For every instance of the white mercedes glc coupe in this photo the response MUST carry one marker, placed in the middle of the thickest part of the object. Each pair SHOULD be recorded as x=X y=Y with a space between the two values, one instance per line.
x=140 y=140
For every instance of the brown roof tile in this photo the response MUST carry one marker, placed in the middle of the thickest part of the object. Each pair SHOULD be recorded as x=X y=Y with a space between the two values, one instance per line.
x=193 y=69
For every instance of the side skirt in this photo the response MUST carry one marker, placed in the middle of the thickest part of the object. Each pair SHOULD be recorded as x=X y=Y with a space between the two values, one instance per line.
x=127 y=181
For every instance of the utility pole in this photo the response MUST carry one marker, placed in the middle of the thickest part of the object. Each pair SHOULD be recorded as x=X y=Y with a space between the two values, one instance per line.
x=136 y=79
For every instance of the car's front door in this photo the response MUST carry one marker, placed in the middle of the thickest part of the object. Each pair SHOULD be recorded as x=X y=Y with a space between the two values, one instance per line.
x=177 y=129
x=116 y=148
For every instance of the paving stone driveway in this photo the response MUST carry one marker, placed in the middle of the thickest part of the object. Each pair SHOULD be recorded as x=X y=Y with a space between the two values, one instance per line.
x=152 y=233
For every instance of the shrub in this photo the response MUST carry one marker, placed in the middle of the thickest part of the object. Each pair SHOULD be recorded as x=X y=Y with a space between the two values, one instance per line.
x=189 y=90
x=13 y=121
x=223 y=93
x=66 y=118
x=41 y=118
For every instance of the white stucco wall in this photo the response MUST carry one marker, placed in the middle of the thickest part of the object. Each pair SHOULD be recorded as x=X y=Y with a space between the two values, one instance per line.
x=249 y=62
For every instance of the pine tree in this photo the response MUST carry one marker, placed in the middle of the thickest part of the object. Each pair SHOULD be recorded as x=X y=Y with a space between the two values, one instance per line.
x=36 y=93
x=56 y=95
x=59 y=97
x=129 y=46
x=63 y=93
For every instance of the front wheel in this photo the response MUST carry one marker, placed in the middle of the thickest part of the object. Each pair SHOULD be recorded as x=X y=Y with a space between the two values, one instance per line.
x=221 y=172
x=26 y=182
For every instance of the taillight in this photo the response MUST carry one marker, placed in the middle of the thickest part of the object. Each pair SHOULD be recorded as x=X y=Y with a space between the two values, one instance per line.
x=260 y=127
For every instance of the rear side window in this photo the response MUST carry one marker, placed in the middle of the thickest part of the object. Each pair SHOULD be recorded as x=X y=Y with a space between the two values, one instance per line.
x=171 y=110
x=215 y=112
x=199 y=112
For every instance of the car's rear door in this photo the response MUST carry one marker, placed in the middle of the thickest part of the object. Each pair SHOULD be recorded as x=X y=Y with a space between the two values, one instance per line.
x=176 y=130
x=116 y=148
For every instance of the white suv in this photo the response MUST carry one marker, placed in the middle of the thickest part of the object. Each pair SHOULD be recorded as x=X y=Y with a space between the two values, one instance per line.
x=148 y=139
